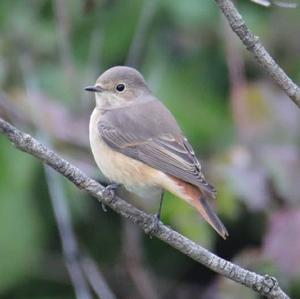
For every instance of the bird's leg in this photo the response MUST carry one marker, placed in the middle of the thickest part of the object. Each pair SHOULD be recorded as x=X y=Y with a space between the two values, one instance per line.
x=154 y=225
x=112 y=187
x=160 y=206
x=109 y=192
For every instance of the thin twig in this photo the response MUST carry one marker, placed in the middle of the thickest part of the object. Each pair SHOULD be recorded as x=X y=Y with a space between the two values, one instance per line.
x=139 y=38
x=63 y=21
x=95 y=278
x=264 y=285
x=81 y=268
x=94 y=62
x=67 y=236
x=237 y=81
x=134 y=261
x=262 y=56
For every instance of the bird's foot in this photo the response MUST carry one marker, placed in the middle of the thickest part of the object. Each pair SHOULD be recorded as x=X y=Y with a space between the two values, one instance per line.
x=268 y=285
x=152 y=225
x=109 y=193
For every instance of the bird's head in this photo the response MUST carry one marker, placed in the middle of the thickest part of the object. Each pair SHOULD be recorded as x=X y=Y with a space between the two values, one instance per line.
x=118 y=86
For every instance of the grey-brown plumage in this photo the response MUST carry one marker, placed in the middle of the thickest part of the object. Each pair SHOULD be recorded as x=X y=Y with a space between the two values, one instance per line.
x=133 y=123
x=154 y=138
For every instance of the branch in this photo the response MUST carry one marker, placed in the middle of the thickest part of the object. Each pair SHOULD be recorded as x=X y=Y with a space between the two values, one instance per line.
x=67 y=236
x=134 y=261
x=264 y=285
x=140 y=35
x=237 y=82
x=262 y=56
x=63 y=22
x=96 y=278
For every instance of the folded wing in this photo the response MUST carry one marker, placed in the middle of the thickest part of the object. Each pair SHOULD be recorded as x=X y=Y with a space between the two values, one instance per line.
x=150 y=134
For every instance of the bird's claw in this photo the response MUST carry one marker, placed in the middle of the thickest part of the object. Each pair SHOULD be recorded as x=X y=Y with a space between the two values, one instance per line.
x=269 y=284
x=153 y=225
x=109 y=192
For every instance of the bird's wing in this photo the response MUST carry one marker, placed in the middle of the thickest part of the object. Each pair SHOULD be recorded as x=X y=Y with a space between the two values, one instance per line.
x=149 y=133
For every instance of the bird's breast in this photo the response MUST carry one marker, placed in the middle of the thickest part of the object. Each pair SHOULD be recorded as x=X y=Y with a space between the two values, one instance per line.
x=117 y=167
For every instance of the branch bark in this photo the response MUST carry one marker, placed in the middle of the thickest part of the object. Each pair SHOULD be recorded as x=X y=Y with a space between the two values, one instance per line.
x=264 y=285
x=252 y=44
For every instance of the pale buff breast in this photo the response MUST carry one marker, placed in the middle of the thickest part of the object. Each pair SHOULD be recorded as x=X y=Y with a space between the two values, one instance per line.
x=115 y=166
x=136 y=176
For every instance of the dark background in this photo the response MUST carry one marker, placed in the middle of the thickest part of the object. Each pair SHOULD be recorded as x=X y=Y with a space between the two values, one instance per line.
x=244 y=130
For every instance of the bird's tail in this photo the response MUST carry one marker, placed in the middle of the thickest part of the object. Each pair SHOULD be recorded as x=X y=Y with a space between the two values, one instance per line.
x=203 y=207
x=199 y=198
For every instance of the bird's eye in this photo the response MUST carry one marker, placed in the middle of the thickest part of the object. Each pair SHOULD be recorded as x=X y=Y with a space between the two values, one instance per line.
x=120 y=87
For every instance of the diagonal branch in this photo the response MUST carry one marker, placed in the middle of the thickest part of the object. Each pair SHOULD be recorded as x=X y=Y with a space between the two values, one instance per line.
x=264 y=285
x=251 y=42
x=66 y=233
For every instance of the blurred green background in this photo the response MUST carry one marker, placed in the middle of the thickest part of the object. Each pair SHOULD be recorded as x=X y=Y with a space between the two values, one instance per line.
x=244 y=129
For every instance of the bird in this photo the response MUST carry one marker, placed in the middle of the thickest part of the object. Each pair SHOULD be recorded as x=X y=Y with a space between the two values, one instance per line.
x=137 y=143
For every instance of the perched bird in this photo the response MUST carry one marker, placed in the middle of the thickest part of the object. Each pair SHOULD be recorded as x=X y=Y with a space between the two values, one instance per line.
x=136 y=142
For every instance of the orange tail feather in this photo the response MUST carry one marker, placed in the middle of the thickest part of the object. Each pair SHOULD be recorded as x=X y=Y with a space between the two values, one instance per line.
x=199 y=200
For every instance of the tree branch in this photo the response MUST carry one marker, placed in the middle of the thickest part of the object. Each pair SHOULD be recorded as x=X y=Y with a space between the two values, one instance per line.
x=262 y=56
x=96 y=278
x=67 y=236
x=140 y=35
x=264 y=285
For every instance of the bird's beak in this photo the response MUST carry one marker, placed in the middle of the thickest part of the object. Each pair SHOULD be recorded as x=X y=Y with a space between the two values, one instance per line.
x=95 y=88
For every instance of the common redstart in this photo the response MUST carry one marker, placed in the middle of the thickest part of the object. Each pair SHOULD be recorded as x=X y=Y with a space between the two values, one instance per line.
x=136 y=142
